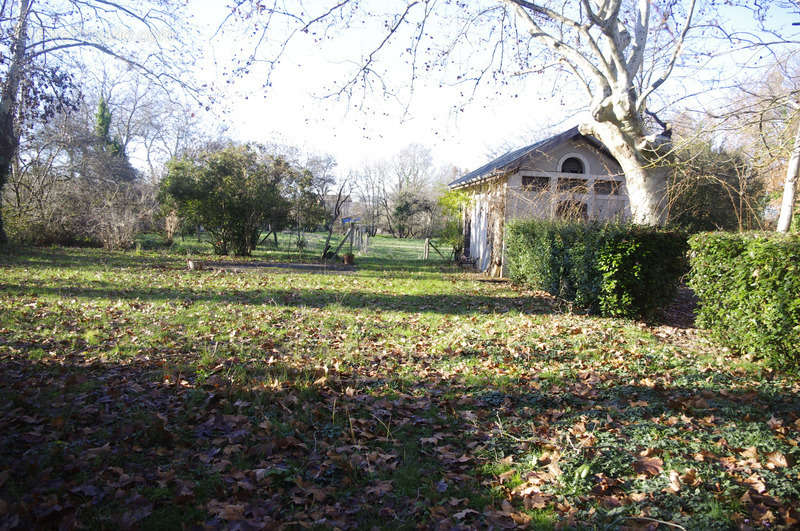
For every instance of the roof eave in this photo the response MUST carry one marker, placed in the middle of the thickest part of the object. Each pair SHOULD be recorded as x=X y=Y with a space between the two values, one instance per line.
x=479 y=180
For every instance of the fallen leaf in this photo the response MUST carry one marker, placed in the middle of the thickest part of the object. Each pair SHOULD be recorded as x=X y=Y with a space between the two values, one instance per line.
x=536 y=501
x=232 y=511
x=690 y=477
x=674 y=481
x=777 y=460
x=462 y=514
x=757 y=483
x=380 y=488
x=649 y=466
x=750 y=452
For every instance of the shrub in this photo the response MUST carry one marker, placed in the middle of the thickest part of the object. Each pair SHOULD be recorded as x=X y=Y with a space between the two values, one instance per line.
x=232 y=192
x=749 y=290
x=82 y=213
x=611 y=269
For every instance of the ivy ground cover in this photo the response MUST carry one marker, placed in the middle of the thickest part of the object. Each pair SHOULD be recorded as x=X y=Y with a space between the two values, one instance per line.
x=137 y=394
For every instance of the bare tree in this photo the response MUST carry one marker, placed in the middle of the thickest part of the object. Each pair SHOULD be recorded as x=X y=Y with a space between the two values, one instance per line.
x=790 y=185
x=333 y=211
x=761 y=117
x=620 y=53
x=369 y=187
x=39 y=39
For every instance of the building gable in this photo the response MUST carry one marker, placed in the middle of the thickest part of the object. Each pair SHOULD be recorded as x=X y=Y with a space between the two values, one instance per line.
x=544 y=156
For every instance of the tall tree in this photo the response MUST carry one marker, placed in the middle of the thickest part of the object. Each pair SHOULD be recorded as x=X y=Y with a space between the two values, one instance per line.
x=38 y=44
x=9 y=139
x=761 y=117
x=619 y=51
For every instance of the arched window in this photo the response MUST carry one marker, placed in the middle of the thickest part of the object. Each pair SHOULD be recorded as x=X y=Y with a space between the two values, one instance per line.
x=573 y=165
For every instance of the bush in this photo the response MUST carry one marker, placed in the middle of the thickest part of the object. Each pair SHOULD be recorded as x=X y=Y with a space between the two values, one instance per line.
x=82 y=213
x=611 y=269
x=749 y=290
x=233 y=193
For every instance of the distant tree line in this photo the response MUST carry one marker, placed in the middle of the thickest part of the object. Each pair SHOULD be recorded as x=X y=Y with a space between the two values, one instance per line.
x=400 y=195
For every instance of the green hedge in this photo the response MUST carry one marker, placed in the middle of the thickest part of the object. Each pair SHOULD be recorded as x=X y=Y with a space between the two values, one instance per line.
x=612 y=269
x=749 y=290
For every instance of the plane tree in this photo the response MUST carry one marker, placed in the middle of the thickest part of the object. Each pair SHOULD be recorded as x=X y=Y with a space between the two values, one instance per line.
x=620 y=52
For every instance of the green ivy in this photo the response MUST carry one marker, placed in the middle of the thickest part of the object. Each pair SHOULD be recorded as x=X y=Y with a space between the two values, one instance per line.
x=749 y=290
x=613 y=269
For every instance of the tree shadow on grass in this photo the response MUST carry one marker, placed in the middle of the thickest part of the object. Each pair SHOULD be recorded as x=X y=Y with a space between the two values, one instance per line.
x=455 y=304
x=156 y=443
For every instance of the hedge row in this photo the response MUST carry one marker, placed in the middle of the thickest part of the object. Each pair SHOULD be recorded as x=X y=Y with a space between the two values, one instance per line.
x=611 y=269
x=749 y=291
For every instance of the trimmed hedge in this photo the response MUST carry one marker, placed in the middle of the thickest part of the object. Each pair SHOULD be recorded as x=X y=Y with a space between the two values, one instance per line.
x=749 y=290
x=611 y=269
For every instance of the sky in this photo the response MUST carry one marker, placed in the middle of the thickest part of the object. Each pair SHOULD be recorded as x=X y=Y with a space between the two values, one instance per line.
x=461 y=128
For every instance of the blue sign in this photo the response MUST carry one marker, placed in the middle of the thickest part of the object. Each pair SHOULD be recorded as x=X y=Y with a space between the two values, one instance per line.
x=350 y=220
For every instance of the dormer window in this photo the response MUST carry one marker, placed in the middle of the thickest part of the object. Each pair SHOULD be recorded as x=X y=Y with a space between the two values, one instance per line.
x=572 y=165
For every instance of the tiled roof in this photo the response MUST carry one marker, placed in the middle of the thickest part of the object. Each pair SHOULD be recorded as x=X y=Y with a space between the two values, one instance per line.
x=510 y=159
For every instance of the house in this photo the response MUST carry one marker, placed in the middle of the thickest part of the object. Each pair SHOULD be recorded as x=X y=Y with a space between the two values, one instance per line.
x=567 y=175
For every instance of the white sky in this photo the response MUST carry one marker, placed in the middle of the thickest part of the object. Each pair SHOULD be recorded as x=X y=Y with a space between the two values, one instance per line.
x=292 y=111
x=366 y=128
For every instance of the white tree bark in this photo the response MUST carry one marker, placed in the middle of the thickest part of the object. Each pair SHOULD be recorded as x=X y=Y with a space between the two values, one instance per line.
x=790 y=186
x=609 y=63
x=645 y=169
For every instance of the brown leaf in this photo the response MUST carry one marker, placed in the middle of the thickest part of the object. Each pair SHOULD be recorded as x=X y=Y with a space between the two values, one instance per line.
x=505 y=476
x=460 y=515
x=756 y=483
x=380 y=488
x=554 y=469
x=777 y=460
x=520 y=518
x=674 y=481
x=131 y=517
x=751 y=452
x=536 y=501
x=690 y=477
x=94 y=452
x=232 y=511
x=507 y=507
x=774 y=423
x=649 y=466
x=610 y=501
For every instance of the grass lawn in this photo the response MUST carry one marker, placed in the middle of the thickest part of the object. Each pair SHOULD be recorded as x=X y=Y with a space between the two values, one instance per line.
x=384 y=250
x=137 y=394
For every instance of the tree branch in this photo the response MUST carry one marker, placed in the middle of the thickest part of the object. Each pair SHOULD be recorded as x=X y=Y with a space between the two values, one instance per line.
x=640 y=103
x=559 y=46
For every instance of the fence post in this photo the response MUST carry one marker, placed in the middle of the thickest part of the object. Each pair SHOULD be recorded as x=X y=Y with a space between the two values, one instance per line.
x=427 y=249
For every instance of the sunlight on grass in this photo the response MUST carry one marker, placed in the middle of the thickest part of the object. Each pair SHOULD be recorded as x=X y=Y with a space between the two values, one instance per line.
x=412 y=393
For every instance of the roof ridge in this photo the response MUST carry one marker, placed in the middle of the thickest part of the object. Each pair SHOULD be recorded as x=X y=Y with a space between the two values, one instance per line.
x=512 y=156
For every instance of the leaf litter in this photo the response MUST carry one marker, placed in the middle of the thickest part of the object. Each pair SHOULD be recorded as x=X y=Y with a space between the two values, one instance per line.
x=144 y=397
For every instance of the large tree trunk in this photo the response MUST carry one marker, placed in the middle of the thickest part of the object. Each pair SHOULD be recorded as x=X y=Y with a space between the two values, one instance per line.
x=9 y=140
x=644 y=167
x=790 y=186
